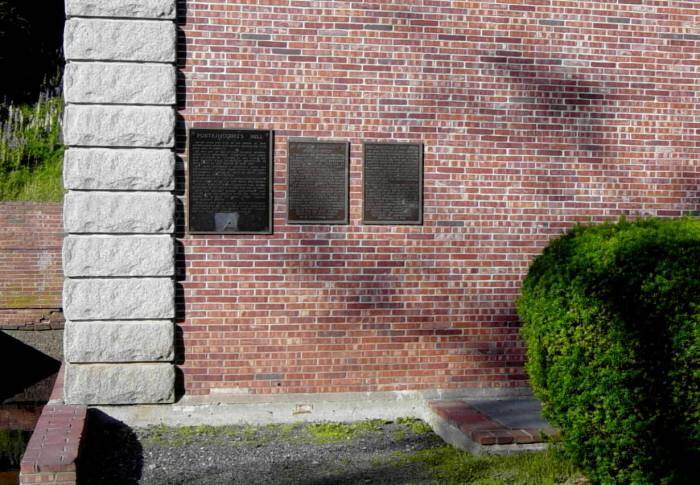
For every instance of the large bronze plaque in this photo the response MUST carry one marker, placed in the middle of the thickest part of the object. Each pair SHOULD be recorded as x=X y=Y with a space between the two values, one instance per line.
x=230 y=181
x=317 y=177
x=393 y=183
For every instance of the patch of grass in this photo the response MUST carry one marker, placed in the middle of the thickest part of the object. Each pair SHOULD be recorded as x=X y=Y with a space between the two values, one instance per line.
x=334 y=432
x=31 y=151
x=41 y=184
x=451 y=466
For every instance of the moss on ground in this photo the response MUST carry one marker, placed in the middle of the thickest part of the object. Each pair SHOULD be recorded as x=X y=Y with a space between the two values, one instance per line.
x=411 y=425
x=328 y=432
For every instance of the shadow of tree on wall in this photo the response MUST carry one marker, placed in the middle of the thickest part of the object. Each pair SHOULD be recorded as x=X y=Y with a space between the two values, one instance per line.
x=547 y=137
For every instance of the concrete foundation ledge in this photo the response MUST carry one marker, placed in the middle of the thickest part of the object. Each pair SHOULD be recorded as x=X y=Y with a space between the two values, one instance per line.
x=153 y=9
x=221 y=409
x=119 y=383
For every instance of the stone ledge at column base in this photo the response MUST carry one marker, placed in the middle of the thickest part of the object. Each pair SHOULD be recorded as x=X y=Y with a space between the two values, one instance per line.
x=119 y=383
x=119 y=341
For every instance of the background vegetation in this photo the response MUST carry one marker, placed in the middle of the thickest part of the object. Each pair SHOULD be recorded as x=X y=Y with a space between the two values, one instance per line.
x=31 y=151
x=611 y=317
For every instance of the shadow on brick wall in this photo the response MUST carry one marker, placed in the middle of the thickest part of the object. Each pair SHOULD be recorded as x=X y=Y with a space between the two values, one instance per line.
x=28 y=374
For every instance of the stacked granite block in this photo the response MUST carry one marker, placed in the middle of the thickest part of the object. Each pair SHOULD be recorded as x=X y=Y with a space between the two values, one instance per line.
x=119 y=127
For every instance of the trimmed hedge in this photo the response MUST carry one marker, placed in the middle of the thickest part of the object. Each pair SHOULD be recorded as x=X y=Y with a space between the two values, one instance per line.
x=611 y=317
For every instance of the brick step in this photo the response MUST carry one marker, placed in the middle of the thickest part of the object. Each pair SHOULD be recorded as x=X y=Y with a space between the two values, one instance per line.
x=492 y=426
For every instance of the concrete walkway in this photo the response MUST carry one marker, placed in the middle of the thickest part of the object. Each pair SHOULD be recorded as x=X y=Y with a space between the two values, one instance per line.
x=492 y=425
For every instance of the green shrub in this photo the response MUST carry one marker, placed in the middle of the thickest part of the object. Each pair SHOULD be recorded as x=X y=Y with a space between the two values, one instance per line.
x=12 y=445
x=611 y=318
x=31 y=151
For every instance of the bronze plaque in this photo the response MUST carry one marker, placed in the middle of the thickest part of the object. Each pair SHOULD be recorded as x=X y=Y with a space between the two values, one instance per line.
x=317 y=178
x=393 y=183
x=230 y=181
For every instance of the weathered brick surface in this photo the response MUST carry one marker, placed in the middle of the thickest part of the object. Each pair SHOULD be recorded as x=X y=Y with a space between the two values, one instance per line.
x=52 y=452
x=54 y=447
x=535 y=115
x=30 y=265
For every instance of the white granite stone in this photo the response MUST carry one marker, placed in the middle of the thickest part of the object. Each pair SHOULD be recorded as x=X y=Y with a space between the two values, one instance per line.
x=119 y=341
x=118 y=299
x=119 y=40
x=119 y=126
x=119 y=383
x=119 y=212
x=118 y=169
x=152 y=9
x=105 y=256
x=119 y=83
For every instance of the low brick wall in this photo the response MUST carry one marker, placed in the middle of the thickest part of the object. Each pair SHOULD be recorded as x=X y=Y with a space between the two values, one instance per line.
x=31 y=279
x=52 y=452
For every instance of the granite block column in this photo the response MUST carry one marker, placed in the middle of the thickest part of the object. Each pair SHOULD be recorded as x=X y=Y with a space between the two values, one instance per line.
x=118 y=253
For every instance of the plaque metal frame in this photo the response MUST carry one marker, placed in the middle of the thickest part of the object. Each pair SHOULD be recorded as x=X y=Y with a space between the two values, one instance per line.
x=416 y=222
x=270 y=182
x=346 y=199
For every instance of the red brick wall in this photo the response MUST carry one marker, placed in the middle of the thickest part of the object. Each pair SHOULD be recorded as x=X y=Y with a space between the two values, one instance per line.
x=535 y=114
x=31 y=280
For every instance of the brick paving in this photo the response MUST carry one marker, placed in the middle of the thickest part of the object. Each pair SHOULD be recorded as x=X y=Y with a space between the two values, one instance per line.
x=486 y=423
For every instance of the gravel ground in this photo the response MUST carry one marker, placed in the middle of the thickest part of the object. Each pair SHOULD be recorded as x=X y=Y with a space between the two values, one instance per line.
x=369 y=452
